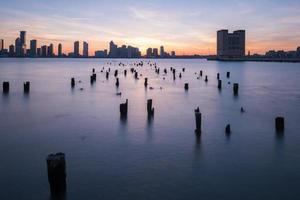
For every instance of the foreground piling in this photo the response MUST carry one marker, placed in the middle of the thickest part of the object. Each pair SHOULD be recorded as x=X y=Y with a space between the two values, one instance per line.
x=235 y=89
x=26 y=87
x=5 y=87
x=124 y=109
x=186 y=86
x=227 y=129
x=279 y=124
x=206 y=79
x=219 y=84
x=72 y=82
x=228 y=74
x=198 y=121
x=117 y=82
x=201 y=73
x=56 y=167
x=150 y=110
x=218 y=76
x=146 y=82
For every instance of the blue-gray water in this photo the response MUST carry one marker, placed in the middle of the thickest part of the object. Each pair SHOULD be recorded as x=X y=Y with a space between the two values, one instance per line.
x=162 y=159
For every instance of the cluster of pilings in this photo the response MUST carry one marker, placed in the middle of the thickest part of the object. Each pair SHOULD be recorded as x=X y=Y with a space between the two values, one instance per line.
x=6 y=87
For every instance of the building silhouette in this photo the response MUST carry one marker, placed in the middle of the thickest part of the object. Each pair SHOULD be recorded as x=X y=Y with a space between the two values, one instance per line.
x=33 y=48
x=85 y=52
x=11 y=50
x=22 y=43
x=231 y=44
x=162 y=52
x=1 y=45
x=50 y=51
x=44 y=51
x=113 y=50
x=76 y=49
x=59 y=51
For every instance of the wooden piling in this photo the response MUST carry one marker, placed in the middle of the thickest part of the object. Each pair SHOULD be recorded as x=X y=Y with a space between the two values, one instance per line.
x=228 y=74
x=235 y=89
x=220 y=84
x=150 y=110
x=56 y=167
x=186 y=86
x=26 y=87
x=5 y=87
x=279 y=124
x=72 y=82
x=198 y=121
x=124 y=109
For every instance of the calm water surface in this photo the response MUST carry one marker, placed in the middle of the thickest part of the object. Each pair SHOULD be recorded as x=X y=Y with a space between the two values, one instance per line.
x=160 y=159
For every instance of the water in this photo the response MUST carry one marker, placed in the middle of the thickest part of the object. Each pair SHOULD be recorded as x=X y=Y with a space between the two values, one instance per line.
x=161 y=159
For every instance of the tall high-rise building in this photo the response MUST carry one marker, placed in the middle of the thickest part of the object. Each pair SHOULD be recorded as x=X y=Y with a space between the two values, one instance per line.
x=1 y=44
x=32 y=48
x=38 y=52
x=59 y=52
x=85 y=52
x=18 y=47
x=50 y=51
x=162 y=51
x=231 y=44
x=155 y=52
x=44 y=51
x=149 y=53
x=76 y=49
x=23 y=42
x=113 y=50
x=11 y=50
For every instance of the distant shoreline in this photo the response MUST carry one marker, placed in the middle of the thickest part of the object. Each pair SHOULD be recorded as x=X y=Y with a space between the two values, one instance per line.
x=208 y=58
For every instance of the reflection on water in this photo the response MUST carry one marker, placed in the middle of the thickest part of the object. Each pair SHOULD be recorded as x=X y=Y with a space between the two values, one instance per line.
x=160 y=157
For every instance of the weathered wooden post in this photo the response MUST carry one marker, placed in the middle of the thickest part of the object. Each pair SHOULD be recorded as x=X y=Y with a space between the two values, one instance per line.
x=107 y=75
x=150 y=110
x=146 y=82
x=218 y=76
x=117 y=82
x=72 y=82
x=186 y=86
x=180 y=75
x=93 y=70
x=165 y=71
x=26 y=87
x=206 y=79
x=220 y=84
x=183 y=69
x=136 y=75
x=5 y=87
x=228 y=75
x=235 y=88
x=227 y=129
x=56 y=167
x=125 y=72
x=201 y=73
x=124 y=109
x=279 y=124
x=198 y=121
x=116 y=73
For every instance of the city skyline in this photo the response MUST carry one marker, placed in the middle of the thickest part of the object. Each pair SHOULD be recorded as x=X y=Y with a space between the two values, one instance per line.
x=187 y=28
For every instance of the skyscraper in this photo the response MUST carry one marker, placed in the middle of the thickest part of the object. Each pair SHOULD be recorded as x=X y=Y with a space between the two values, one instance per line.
x=59 y=50
x=23 y=43
x=44 y=51
x=76 y=49
x=11 y=50
x=18 y=47
x=1 y=44
x=149 y=53
x=85 y=52
x=32 y=48
x=113 y=50
x=162 y=51
x=231 y=44
x=50 y=51
x=155 y=52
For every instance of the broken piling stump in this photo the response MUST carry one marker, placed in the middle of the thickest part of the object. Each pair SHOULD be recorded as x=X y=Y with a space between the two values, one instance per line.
x=279 y=124
x=186 y=86
x=117 y=82
x=227 y=129
x=124 y=109
x=146 y=82
x=72 y=82
x=56 y=167
x=219 y=84
x=150 y=110
x=26 y=87
x=206 y=79
x=228 y=74
x=235 y=89
x=198 y=121
x=5 y=87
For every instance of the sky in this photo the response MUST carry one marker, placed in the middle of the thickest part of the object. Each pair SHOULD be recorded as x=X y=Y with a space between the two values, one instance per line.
x=188 y=27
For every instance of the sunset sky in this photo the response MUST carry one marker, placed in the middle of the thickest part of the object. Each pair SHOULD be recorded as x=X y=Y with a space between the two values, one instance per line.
x=188 y=27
